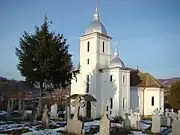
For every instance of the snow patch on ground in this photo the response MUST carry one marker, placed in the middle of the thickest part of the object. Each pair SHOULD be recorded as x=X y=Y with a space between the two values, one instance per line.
x=3 y=113
x=144 y=126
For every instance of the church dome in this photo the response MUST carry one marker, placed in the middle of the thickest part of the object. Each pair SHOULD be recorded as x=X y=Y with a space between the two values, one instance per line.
x=116 y=61
x=96 y=25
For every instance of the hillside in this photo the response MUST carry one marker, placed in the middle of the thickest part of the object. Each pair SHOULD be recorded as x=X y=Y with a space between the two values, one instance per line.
x=169 y=81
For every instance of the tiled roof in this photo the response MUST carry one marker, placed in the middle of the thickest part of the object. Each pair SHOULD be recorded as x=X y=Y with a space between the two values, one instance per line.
x=141 y=79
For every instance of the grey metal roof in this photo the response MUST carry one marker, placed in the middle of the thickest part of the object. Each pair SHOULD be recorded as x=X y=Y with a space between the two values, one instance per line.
x=116 y=61
x=96 y=25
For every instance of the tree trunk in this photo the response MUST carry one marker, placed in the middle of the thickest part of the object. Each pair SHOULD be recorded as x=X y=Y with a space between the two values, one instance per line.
x=40 y=101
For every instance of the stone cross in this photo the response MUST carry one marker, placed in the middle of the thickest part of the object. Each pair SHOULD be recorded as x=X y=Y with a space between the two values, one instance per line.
x=156 y=111
x=77 y=104
x=173 y=115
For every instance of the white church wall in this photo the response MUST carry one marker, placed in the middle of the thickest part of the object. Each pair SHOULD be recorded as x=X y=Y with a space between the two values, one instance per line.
x=151 y=94
x=104 y=52
x=162 y=99
x=136 y=98
x=124 y=94
x=110 y=89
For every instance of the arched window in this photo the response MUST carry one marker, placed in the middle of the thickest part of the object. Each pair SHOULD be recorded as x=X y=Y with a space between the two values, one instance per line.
x=103 y=46
x=111 y=78
x=88 y=45
x=88 y=61
x=87 y=83
x=139 y=101
x=111 y=103
x=124 y=103
x=123 y=78
x=152 y=101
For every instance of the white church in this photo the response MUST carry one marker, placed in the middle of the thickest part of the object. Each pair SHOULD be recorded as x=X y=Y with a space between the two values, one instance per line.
x=115 y=87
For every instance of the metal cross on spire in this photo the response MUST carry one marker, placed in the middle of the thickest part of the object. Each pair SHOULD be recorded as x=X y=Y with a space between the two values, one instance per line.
x=96 y=5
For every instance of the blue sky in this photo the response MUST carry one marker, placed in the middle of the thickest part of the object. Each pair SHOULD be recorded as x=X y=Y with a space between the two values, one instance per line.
x=147 y=31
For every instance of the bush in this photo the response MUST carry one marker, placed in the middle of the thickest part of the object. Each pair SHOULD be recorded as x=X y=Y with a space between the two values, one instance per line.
x=117 y=119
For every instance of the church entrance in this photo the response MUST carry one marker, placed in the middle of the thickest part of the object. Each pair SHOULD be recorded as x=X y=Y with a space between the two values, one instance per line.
x=88 y=109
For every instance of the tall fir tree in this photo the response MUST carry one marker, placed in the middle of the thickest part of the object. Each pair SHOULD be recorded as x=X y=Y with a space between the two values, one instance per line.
x=44 y=59
x=174 y=96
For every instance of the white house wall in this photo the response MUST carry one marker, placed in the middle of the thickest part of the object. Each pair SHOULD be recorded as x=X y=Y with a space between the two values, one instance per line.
x=148 y=94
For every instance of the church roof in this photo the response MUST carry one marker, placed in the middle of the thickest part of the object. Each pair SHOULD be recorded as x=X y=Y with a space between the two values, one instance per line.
x=116 y=61
x=141 y=79
x=96 y=25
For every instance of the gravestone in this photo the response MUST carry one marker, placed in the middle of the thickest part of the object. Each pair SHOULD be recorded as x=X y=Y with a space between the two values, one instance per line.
x=178 y=115
x=104 y=125
x=138 y=119
x=133 y=120
x=8 y=108
x=74 y=125
x=173 y=115
x=156 y=123
x=166 y=112
x=77 y=104
x=165 y=121
x=127 y=122
x=53 y=112
x=45 y=118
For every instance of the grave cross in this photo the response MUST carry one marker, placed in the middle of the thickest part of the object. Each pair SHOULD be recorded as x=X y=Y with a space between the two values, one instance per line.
x=77 y=104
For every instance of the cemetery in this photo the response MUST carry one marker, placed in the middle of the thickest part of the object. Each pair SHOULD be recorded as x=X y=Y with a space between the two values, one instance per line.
x=22 y=121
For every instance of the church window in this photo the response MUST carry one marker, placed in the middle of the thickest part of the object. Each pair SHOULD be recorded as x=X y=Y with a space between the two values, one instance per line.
x=88 y=61
x=87 y=84
x=88 y=45
x=111 y=78
x=123 y=78
x=124 y=103
x=106 y=108
x=139 y=101
x=103 y=46
x=111 y=102
x=152 y=101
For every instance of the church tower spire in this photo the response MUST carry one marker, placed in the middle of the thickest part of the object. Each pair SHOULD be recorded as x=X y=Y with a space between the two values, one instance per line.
x=96 y=14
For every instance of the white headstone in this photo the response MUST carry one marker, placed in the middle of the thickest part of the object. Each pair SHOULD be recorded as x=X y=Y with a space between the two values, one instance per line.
x=127 y=122
x=156 y=124
x=178 y=114
x=166 y=112
x=173 y=115
x=133 y=120
x=54 y=108
x=74 y=126
x=165 y=121
x=104 y=125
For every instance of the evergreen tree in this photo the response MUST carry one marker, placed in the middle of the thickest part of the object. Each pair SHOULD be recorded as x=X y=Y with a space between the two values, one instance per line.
x=174 y=96
x=44 y=59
